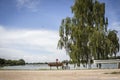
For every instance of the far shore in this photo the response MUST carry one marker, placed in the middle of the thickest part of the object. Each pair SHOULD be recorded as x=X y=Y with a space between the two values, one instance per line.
x=86 y=74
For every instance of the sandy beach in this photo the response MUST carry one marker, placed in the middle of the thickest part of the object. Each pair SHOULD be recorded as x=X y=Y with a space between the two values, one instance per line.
x=98 y=74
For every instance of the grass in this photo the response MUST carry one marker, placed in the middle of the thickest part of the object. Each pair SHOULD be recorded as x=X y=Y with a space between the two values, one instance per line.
x=113 y=73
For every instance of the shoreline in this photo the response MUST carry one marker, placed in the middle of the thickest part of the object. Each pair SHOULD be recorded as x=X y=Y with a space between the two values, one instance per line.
x=84 y=74
x=64 y=69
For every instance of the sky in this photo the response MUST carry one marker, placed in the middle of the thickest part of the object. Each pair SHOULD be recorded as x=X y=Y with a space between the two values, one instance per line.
x=29 y=29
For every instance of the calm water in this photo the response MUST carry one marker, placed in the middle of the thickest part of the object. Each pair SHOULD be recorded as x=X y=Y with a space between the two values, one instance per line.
x=45 y=66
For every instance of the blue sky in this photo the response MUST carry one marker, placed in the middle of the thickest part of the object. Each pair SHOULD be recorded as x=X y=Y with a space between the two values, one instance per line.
x=29 y=28
x=34 y=13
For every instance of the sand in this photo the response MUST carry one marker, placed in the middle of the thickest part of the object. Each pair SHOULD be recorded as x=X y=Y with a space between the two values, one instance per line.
x=98 y=74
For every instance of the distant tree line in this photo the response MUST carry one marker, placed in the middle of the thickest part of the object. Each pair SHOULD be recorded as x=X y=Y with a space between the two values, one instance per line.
x=4 y=62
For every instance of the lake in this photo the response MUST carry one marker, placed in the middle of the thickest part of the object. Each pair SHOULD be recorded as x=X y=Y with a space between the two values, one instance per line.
x=45 y=66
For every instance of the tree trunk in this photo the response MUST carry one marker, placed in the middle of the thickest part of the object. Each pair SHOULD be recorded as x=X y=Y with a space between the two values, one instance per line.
x=118 y=65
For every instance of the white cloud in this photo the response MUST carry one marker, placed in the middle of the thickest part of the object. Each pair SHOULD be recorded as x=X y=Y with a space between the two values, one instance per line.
x=29 y=4
x=32 y=45
x=115 y=25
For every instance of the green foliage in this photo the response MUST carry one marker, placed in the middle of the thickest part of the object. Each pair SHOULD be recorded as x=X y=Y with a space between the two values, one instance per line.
x=21 y=62
x=85 y=35
x=4 y=62
x=113 y=73
x=114 y=57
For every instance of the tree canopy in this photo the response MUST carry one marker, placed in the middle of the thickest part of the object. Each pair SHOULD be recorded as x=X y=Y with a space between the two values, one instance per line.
x=85 y=36
x=4 y=62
